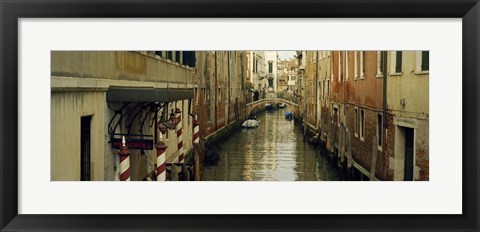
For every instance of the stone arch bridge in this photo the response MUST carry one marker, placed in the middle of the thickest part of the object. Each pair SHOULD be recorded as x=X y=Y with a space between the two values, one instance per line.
x=261 y=103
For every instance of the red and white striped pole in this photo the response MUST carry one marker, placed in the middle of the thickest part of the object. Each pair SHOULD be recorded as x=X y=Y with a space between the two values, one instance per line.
x=161 y=165
x=196 y=130
x=178 y=115
x=124 y=155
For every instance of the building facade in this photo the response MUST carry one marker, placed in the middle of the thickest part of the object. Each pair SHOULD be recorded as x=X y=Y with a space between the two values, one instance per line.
x=271 y=62
x=98 y=98
x=370 y=109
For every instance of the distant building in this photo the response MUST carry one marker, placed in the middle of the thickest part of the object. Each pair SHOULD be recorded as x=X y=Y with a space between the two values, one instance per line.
x=256 y=70
x=271 y=58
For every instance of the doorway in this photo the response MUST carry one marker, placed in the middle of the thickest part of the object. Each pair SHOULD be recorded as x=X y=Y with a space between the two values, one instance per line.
x=85 y=130
x=409 y=154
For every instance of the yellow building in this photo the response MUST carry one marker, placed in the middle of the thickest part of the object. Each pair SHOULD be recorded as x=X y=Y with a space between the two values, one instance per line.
x=408 y=106
x=99 y=96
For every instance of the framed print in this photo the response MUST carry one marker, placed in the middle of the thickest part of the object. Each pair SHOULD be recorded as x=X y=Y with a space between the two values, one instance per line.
x=108 y=92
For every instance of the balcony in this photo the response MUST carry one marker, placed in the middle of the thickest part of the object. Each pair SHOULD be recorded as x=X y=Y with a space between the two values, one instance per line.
x=118 y=65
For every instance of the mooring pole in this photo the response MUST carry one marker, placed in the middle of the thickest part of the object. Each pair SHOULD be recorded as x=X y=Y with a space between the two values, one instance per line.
x=179 y=135
x=161 y=165
x=124 y=155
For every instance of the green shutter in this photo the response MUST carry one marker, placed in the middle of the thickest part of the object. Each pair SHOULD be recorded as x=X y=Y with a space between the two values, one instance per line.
x=425 y=60
x=398 y=64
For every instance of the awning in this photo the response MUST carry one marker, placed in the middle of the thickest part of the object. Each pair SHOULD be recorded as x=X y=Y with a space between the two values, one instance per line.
x=118 y=94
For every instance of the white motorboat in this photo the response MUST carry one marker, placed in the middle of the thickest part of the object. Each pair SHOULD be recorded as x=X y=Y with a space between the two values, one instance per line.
x=250 y=123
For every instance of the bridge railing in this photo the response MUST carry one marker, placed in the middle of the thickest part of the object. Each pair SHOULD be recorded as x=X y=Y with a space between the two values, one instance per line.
x=288 y=97
x=285 y=96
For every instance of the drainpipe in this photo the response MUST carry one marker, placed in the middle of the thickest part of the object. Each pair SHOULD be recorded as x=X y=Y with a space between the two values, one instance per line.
x=384 y=57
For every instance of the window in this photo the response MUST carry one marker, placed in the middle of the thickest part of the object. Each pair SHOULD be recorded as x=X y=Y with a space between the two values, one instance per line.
x=323 y=89
x=335 y=113
x=270 y=67
x=356 y=122
x=379 y=64
x=339 y=67
x=159 y=53
x=362 y=65
x=398 y=61
x=379 y=129
x=177 y=56
x=346 y=65
x=425 y=60
x=170 y=55
x=355 y=70
x=188 y=58
x=422 y=62
x=332 y=70
x=328 y=88
x=362 y=124
x=338 y=115
x=346 y=116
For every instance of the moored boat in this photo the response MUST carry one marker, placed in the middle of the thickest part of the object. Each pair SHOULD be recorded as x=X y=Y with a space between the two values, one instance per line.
x=250 y=123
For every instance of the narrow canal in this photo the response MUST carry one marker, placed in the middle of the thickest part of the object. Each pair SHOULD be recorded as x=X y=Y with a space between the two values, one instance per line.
x=275 y=151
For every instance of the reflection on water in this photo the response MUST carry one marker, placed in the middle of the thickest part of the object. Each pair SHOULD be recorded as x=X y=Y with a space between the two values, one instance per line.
x=273 y=151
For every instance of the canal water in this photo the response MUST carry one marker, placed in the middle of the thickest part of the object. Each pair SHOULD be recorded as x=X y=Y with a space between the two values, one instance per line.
x=274 y=151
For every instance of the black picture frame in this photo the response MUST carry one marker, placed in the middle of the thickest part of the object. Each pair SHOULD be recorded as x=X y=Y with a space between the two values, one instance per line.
x=11 y=11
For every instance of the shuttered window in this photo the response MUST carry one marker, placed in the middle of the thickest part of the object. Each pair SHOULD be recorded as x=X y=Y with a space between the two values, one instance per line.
x=177 y=56
x=398 y=62
x=425 y=60
x=170 y=55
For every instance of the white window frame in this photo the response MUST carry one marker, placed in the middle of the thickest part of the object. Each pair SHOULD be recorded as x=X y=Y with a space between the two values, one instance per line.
x=393 y=62
x=328 y=88
x=346 y=65
x=355 y=69
x=339 y=66
x=379 y=61
x=418 y=65
x=380 y=136
x=356 y=122
x=338 y=114
x=362 y=125
x=332 y=68
x=362 y=65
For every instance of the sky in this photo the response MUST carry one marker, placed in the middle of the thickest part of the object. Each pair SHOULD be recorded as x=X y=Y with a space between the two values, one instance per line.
x=286 y=54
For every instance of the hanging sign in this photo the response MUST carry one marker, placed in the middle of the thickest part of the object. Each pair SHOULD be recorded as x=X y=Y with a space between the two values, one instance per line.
x=137 y=144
